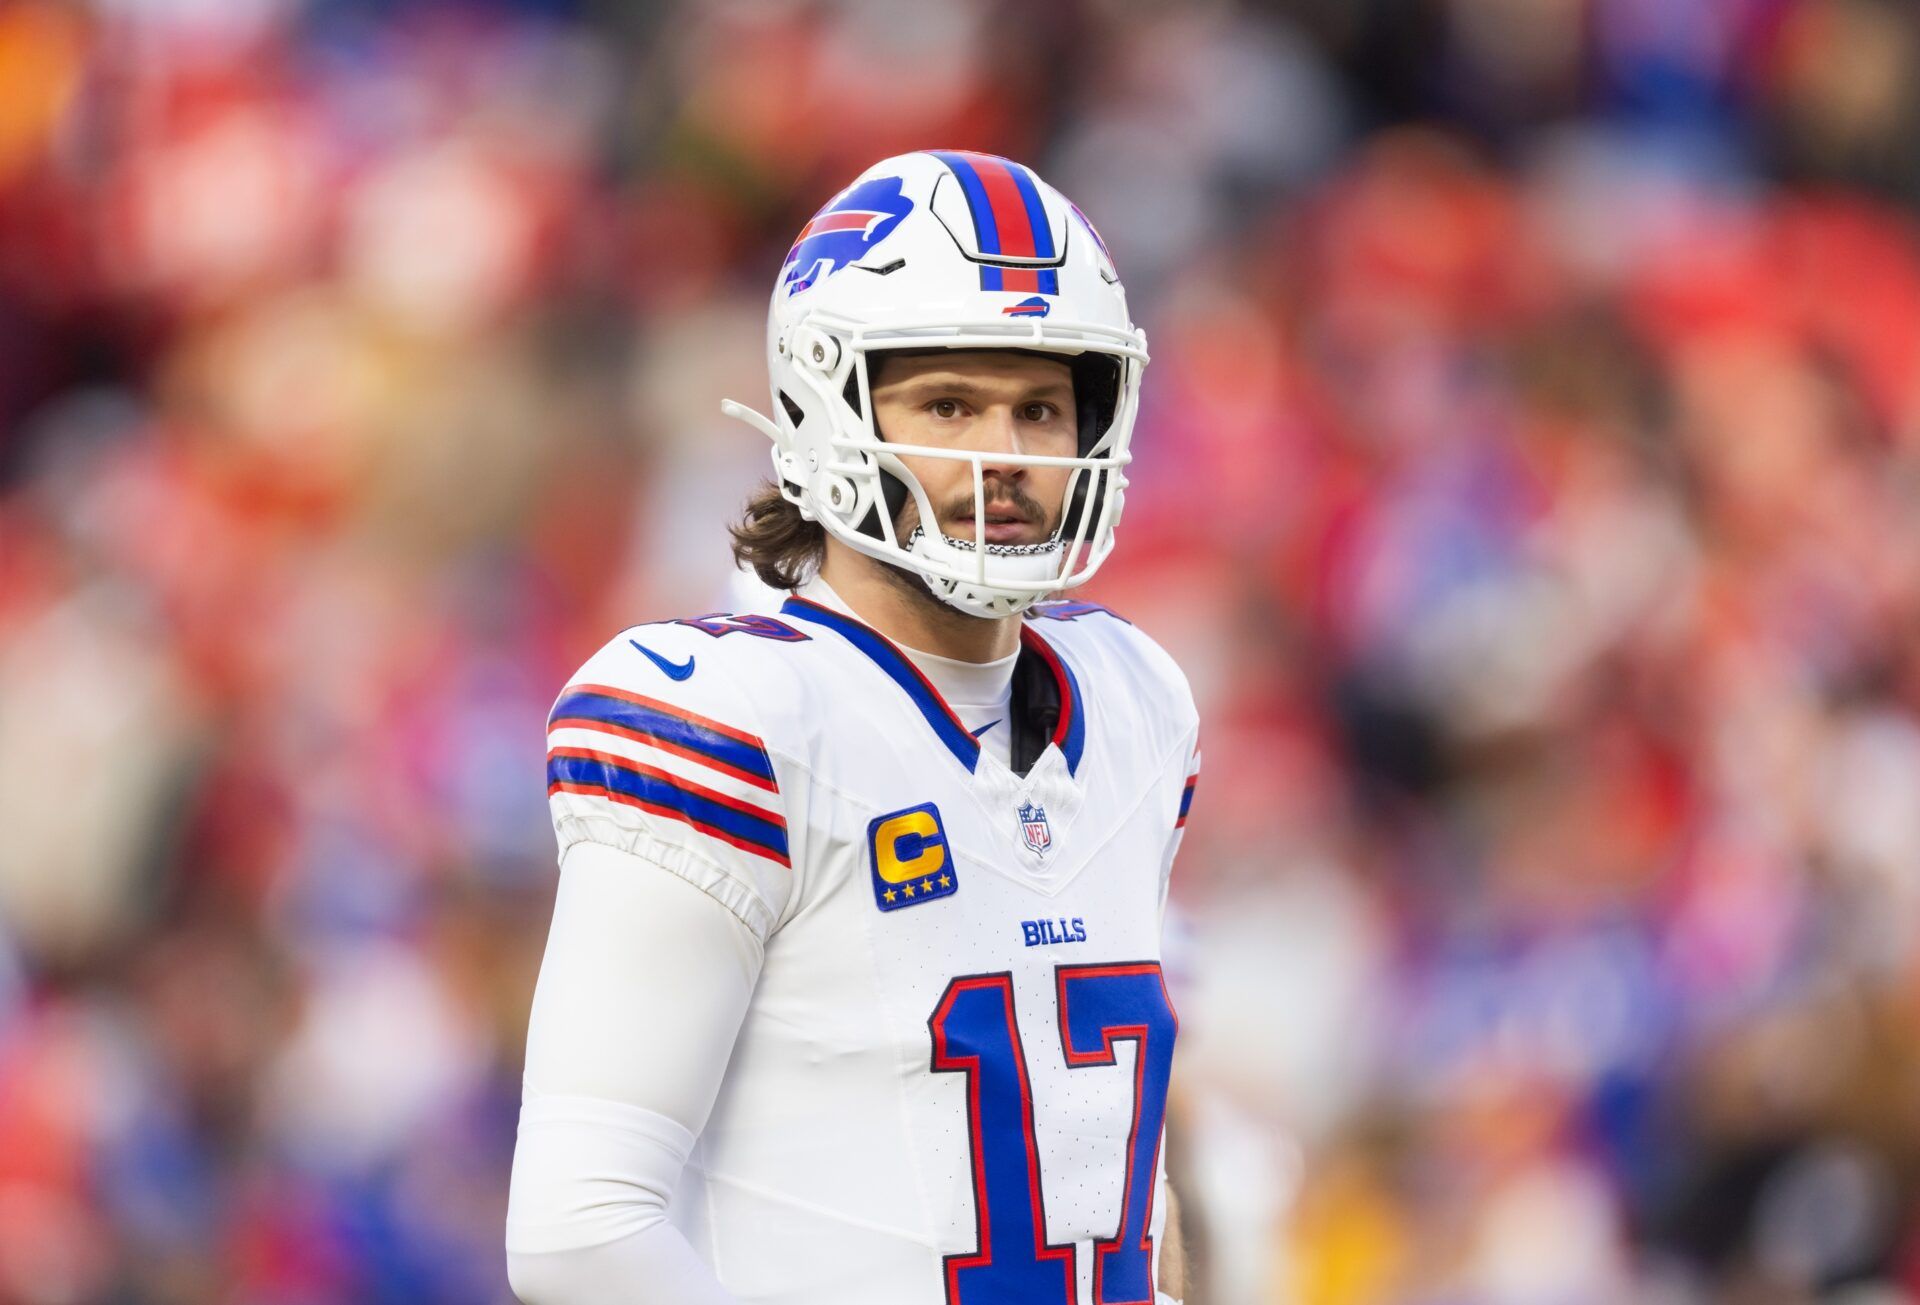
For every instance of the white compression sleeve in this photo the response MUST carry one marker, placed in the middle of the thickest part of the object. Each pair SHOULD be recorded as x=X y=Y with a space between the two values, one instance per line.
x=586 y=1214
x=641 y=993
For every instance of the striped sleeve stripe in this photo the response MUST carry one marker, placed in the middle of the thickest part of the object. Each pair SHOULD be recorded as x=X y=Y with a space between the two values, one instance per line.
x=601 y=774
x=670 y=728
x=1186 y=794
x=695 y=770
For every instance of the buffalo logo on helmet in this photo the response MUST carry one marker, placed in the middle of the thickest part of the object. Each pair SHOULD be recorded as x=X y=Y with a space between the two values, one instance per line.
x=1033 y=306
x=856 y=220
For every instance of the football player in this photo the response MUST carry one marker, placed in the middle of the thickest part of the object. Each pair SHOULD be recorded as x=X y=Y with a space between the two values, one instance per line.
x=852 y=994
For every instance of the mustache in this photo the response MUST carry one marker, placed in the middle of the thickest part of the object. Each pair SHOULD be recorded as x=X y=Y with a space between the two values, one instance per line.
x=1000 y=497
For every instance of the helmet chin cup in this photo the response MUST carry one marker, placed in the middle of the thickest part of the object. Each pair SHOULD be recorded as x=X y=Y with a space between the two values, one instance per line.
x=926 y=252
x=1016 y=576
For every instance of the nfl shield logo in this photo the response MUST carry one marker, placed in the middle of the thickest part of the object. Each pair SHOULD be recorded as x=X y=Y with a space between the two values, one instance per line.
x=1034 y=828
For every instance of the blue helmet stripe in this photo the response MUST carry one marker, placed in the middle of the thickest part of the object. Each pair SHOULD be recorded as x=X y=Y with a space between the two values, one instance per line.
x=984 y=227
x=1036 y=212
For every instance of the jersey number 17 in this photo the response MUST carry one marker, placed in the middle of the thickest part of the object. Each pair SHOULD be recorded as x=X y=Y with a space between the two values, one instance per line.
x=975 y=1033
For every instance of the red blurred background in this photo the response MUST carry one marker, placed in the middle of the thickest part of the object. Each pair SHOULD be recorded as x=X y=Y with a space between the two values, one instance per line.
x=1529 y=480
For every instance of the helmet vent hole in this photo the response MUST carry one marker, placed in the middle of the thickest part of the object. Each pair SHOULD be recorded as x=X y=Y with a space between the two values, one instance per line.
x=794 y=413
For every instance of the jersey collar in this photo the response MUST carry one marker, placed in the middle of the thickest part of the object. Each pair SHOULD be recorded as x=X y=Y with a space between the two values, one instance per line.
x=1070 y=727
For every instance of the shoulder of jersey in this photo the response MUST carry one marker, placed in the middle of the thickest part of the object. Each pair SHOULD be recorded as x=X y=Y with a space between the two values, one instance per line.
x=674 y=741
x=1126 y=668
x=733 y=672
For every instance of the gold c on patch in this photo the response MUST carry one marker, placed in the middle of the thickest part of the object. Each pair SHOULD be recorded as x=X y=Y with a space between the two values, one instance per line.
x=909 y=858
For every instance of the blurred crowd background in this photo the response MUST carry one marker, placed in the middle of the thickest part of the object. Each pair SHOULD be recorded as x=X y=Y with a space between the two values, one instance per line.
x=1529 y=480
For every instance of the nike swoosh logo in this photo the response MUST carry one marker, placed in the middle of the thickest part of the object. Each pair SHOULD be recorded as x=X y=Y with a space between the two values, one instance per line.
x=674 y=670
x=984 y=728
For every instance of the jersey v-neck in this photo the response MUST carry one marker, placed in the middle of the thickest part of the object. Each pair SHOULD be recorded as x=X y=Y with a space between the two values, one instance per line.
x=980 y=693
x=1042 y=696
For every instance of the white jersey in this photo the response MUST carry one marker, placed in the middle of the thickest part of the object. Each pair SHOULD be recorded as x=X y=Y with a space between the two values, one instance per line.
x=951 y=1080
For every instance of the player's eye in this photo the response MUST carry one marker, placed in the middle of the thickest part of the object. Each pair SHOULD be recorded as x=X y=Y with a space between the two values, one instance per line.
x=944 y=408
x=1039 y=412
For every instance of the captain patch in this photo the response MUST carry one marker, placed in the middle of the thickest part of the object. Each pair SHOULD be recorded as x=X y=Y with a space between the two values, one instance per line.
x=909 y=859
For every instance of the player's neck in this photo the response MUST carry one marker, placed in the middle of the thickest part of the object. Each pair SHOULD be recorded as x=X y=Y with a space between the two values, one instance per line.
x=900 y=606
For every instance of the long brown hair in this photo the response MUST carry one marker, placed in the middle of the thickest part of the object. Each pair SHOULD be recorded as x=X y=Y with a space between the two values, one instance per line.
x=782 y=547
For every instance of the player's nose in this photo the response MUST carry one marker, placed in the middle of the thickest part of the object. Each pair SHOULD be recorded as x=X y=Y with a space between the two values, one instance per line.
x=999 y=434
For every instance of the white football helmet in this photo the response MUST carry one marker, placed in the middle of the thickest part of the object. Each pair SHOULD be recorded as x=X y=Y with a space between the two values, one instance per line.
x=946 y=249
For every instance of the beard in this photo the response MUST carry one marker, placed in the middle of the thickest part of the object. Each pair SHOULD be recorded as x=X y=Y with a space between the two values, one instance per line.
x=1001 y=496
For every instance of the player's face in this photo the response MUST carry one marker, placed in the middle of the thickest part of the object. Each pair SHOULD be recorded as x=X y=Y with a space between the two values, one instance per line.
x=990 y=402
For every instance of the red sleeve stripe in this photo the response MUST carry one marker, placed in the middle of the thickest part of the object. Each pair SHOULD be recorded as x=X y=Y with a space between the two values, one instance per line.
x=667 y=726
x=662 y=743
x=671 y=709
x=618 y=779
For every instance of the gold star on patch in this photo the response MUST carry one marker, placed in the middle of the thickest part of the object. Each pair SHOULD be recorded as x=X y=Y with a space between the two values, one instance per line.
x=890 y=894
x=926 y=885
x=908 y=890
x=945 y=882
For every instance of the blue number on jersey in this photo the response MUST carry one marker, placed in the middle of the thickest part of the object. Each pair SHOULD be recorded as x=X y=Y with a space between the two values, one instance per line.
x=975 y=1033
x=1099 y=1006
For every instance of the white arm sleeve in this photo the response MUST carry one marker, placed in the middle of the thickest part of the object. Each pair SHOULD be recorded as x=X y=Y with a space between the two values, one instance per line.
x=641 y=993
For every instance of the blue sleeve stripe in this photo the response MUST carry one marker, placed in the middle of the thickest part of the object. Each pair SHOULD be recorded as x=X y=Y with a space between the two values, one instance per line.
x=1186 y=799
x=668 y=727
x=597 y=774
